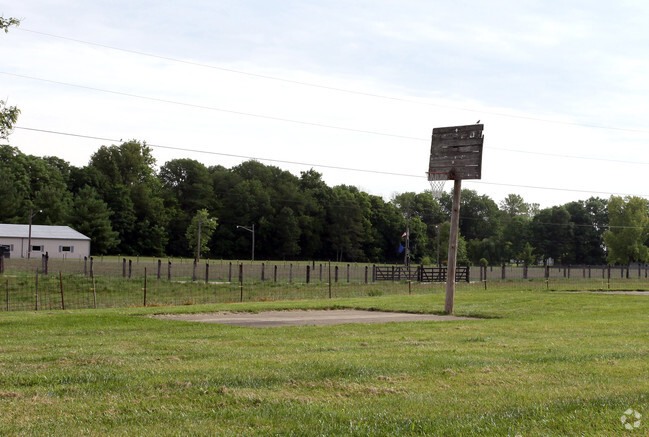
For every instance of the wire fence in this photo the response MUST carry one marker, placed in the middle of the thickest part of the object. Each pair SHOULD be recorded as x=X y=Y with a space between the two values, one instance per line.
x=50 y=284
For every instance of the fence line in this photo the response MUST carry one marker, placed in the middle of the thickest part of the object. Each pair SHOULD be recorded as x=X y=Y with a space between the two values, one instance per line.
x=69 y=284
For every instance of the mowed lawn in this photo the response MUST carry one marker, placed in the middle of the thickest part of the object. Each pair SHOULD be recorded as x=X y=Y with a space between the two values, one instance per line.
x=535 y=363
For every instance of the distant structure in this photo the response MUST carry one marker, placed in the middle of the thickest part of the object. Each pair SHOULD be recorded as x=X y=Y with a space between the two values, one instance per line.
x=56 y=241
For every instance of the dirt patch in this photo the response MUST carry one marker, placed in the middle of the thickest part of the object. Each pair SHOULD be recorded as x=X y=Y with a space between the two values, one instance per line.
x=269 y=319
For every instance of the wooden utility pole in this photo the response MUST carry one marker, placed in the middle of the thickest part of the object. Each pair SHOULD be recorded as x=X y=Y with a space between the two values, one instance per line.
x=452 y=248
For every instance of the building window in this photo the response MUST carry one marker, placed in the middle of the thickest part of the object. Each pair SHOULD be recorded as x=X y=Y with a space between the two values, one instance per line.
x=69 y=249
x=37 y=248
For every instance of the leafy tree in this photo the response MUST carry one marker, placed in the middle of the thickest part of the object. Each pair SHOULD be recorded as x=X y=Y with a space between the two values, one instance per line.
x=514 y=206
x=515 y=236
x=388 y=224
x=186 y=188
x=6 y=23
x=590 y=219
x=128 y=184
x=348 y=224
x=552 y=233
x=286 y=235
x=315 y=194
x=8 y=114
x=527 y=255
x=479 y=214
x=445 y=232
x=207 y=225
x=91 y=217
x=8 y=117
x=629 y=230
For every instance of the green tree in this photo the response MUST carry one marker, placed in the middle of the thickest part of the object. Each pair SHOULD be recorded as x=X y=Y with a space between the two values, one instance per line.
x=127 y=182
x=186 y=188
x=207 y=225
x=348 y=224
x=8 y=114
x=590 y=219
x=552 y=233
x=515 y=206
x=6 y=23
x=445 y=232
x=515 y=236
x=8 y=117
x=91 y=217
x=286 y=234
x=629 y=230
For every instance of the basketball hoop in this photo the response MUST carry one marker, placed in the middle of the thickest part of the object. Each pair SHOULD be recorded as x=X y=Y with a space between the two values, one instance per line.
x=437 y=180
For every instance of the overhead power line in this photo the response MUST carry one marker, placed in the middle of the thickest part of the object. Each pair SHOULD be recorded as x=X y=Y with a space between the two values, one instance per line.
x=336 y=89
x=318 y=165
x=315 y=124
x=213 y=108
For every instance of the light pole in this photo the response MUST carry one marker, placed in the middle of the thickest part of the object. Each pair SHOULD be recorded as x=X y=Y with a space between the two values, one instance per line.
x=29 y=238
x=252 y=230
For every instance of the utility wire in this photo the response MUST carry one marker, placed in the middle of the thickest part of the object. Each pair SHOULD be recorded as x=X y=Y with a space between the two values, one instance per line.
x=321 y=125
x=337 y=89
x=213 y=108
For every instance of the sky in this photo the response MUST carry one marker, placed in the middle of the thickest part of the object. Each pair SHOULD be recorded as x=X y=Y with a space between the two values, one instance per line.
x=351 y=89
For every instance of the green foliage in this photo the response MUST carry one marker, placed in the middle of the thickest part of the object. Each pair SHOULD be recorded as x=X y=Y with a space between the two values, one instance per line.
x=204 y=225
x=552 y=233
x=527 y=255
x=91 y=217
x=8 y=117
x=629 y=230
x=6 y=23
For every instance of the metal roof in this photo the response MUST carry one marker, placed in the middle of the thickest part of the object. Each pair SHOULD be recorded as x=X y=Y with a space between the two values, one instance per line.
x=42 y=232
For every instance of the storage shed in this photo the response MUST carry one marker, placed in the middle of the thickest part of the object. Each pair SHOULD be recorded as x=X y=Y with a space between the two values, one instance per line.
x=56 y=241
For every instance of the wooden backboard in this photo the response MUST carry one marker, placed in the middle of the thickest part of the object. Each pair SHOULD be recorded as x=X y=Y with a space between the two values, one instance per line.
x=456 y=152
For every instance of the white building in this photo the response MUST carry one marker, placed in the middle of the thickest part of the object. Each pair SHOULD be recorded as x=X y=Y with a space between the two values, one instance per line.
x=56 y=241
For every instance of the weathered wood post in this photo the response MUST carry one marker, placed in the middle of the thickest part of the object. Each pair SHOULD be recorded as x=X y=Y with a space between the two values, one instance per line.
x=329 y=279
x=169 y=270
x=241 y=281
x=159 y=268
x=452 y=248
x=308 y=273
x=61 y=287
x=36 y=292
x=130 y=268
x=123 y=267
x=145 y=286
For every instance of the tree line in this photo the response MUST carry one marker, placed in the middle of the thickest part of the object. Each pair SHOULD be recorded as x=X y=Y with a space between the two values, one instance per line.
x=128 y=207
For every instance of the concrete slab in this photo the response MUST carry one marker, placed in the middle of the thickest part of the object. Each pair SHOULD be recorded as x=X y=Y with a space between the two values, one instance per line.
x=267 y=319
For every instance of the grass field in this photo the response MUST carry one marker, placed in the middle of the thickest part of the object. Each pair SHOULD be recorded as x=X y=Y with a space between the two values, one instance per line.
x=536 y=363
